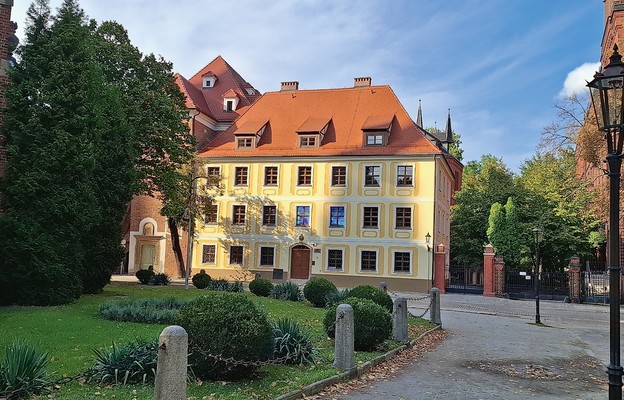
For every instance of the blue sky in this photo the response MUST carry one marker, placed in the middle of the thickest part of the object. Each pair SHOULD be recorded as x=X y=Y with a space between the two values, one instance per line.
x=499 y=65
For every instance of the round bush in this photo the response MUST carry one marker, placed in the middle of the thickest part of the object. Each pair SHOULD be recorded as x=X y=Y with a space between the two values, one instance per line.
x=144 y=275
x=225 y=325
x=374 y=294
x=261 y=287
x=160 y=279
x=316 y=290
x=372 y=323
x=201 y=280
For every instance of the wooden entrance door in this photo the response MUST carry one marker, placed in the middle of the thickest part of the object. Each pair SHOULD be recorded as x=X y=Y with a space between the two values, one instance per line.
x=300 y=262
x=147 y=255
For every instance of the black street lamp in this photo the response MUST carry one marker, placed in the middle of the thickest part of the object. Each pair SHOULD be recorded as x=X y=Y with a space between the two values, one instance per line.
x=537 y=234
x=607 y=95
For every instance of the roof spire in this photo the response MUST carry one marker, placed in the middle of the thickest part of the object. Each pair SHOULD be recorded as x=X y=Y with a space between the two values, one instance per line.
x=449 y=130
x=419 y=116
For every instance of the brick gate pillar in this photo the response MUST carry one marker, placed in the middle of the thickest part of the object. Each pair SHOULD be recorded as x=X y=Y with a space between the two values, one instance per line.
x=499 y=276
x=488 y=271
x=574 y=275
x=439 y=268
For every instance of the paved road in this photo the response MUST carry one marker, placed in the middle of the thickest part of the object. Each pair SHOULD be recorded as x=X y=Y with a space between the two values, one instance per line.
x=495 y=352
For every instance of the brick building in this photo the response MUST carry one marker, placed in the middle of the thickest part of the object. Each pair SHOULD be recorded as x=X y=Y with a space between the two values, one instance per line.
x=7 y=41
x=215 y=97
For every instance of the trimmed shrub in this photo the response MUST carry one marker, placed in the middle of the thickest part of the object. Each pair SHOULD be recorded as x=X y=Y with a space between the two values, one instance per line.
x=287 y=291
x=337 y=297
x=23 y=371
x=160 y=279
x=261 y=287
x=292 y=342
x=223 y=326
x=372 y=293
x=201 y=280
x=148 y=311
x=222 y=285
x=316 y=290
x=372 y=323
x=132 y=363
x=144 y=275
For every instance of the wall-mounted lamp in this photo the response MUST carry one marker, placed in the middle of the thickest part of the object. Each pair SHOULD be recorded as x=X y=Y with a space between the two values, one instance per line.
x=314 y=244
x=428 y=240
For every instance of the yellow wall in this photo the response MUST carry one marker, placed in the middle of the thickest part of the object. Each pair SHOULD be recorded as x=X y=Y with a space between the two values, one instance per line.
x=421 y=198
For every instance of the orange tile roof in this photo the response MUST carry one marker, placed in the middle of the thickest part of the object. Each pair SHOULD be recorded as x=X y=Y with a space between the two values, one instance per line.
x=378 y=123
x=250 y=127
x=230 y=93
x=348 y=108
x=210 y=100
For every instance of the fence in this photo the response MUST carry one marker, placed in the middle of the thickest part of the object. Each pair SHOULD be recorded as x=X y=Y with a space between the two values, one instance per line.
x=521 y=285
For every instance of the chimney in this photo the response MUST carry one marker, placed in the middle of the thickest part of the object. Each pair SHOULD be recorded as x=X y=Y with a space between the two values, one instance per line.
x=289 y=86
x=362 y=82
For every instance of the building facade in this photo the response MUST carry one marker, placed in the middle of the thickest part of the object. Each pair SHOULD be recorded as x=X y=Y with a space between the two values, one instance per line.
x=8 y=41
x=339 y=183
x=215 y=96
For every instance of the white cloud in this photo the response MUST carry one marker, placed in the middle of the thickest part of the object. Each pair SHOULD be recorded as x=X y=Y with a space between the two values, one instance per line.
x=576 y=81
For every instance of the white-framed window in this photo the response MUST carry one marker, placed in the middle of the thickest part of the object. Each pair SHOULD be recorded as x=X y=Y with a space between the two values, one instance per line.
x=335 y=259
x=213 y=174
x=304 y=175
x=337 y=216
x=267 y=256
x=269 y=215
x=303 y=214
x=370 y=217
x=339 y=176
x=209 y=254
x=239 y=213
x=237 y=254
x=308 y=141
x=211 y=217
x=401 y=262
x=405 y=175
x=241 y=176
x=271 y=175
x=403 y=217
x=372 y=176
x=368 y=260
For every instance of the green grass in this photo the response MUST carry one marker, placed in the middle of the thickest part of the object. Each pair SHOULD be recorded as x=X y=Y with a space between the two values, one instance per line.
x=69 y=333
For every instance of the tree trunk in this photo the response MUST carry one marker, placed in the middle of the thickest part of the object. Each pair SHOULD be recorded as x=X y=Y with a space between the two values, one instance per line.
x=175 y=244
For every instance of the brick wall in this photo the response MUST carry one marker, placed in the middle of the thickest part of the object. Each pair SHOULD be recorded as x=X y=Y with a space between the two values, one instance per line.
x=7 y=28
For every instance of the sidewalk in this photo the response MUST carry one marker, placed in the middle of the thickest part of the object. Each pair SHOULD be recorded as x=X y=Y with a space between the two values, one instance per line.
x=495 y=352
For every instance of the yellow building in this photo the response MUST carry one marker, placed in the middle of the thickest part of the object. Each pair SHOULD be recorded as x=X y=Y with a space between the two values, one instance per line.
x=339 y=183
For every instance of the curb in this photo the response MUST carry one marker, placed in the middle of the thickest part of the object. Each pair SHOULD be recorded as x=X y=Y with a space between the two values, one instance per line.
x=355 y=372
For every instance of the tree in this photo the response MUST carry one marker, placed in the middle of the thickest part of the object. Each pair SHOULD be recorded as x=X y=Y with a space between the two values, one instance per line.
x=564 y=131
x=504 y=233
x=89 y=123
x=484 y=183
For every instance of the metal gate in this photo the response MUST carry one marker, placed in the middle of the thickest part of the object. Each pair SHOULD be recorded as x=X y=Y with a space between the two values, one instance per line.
x=521 y=285
x=465 y=279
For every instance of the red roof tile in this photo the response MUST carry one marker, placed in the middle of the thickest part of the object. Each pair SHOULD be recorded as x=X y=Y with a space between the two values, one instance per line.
x=250 y=127
x=349 y=109
x=210 y=100
x=378 y=123
x=313 y=125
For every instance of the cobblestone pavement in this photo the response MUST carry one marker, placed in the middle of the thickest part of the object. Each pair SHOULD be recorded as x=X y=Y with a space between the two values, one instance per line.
x=496 y=352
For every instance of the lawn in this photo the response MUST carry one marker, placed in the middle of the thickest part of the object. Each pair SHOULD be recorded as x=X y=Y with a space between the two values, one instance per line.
x=69 y=333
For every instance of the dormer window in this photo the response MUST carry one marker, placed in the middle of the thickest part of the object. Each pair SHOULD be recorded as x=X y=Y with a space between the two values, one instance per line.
x=307 y=141
x=245 y=142
x=376 y=130
x=248 y=135
x=375 y=139
x=230 y=101
x=208 y=80
x=312 y=132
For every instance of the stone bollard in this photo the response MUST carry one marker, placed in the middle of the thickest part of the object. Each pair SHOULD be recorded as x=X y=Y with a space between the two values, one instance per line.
x=383 y=286
x=172 y=361
x=399 y=325
x=434 y=312
x=345 y=338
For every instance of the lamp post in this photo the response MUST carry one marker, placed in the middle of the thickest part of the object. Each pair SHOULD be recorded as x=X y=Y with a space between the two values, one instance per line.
x=429 y=267
x=537 y=235
x=607 y=95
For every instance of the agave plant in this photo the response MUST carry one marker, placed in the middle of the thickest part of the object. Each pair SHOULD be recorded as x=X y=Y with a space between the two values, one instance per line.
x=337 y=297
x=132 y=363
x=287 y=291
x=292 y=343
x=23 y=371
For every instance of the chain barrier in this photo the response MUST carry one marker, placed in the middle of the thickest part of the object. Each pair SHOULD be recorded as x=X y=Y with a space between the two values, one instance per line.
x=396 y=295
